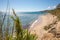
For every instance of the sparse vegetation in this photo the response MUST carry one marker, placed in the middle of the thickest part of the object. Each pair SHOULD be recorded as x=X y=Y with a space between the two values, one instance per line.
x=55 y=12
x=50 y=25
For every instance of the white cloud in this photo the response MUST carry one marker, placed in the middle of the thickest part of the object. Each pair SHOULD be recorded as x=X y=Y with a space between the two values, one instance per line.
x=54 y=6
x=26 y=10
x=51 y=7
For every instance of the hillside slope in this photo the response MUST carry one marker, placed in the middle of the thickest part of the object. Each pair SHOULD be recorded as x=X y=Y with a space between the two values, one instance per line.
x=47 y=27
x=38 y=27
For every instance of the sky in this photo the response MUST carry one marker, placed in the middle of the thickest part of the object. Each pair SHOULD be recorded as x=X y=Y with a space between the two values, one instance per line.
x=28 y=5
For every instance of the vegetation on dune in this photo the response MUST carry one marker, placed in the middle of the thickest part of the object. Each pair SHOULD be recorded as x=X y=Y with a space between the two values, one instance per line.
x=55 y=11
x=51 y=28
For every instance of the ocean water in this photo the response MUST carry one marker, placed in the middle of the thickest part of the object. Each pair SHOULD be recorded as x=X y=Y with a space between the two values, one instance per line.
x=27 y=18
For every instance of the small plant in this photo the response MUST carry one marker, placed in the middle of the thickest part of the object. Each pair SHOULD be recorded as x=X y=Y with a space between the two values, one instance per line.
x=20 y=33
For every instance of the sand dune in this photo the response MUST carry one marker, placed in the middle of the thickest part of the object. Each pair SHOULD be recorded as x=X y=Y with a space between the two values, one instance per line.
x=38 y=26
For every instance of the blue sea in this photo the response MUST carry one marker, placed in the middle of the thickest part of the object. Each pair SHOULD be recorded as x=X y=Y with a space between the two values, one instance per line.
x=27 y=18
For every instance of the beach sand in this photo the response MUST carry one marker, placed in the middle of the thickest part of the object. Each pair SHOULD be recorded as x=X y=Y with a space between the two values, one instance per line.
x=37 y=27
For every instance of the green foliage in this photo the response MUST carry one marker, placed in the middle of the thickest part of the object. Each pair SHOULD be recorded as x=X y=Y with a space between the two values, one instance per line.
x=21 y=34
